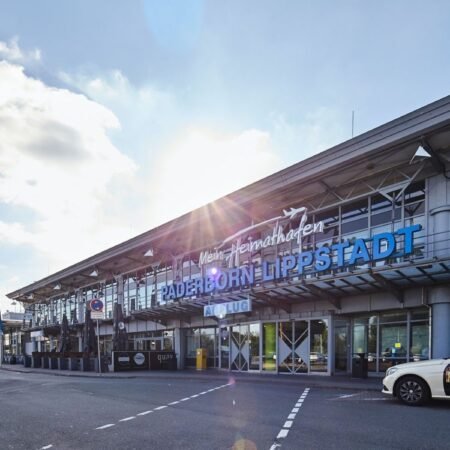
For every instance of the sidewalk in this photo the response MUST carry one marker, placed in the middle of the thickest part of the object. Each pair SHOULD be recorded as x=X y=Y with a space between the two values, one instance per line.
x=330 y=382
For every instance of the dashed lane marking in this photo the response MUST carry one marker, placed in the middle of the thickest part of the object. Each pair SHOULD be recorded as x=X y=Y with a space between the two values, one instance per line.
x=47 y=446
x=159 y=408
x=127 y=419
x=282 y=434
x=108 y=425
x=288 y=423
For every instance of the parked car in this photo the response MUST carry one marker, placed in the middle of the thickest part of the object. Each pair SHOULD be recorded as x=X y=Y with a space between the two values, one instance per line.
x=415 y=383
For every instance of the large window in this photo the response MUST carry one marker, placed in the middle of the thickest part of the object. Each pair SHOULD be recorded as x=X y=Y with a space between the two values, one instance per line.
x=201 y=338
x=392 y=338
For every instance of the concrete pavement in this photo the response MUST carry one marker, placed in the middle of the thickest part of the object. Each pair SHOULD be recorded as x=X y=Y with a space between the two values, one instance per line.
x=335 y=381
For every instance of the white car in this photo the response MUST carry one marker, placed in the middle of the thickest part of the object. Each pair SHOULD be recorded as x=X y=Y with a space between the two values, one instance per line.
x=416 y=382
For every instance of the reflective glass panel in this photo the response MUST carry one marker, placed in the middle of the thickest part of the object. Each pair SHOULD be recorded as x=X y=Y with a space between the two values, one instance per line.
x=254 y=346
x=318 y=355
x=393 y=345
x=269 y=362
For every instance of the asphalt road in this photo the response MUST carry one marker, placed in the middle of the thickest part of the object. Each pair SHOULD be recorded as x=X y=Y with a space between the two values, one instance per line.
x=50 y=412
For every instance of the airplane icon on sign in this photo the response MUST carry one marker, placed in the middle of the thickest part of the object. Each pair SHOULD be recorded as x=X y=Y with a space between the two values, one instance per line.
x=292 y=212
x=288 y=214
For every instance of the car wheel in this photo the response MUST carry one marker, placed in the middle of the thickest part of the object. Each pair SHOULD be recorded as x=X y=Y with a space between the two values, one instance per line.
x=412 y=391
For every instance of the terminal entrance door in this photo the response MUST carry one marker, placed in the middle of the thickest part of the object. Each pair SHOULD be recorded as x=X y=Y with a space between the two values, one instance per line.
x=293 y=347
x=341 y=345
x=244 y=343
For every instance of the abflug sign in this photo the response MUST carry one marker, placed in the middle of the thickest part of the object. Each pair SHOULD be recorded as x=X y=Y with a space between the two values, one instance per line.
x=384 y=245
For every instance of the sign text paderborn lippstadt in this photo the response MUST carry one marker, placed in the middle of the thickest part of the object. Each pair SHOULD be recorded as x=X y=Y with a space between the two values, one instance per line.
x=349 y=252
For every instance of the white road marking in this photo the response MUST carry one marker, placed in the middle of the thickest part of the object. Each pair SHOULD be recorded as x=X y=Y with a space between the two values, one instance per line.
x=282 y=434
x=348 y=395
x=288 y=423
x=159 y=408
x=47 y=446
x=127 y=419
x=108 y=425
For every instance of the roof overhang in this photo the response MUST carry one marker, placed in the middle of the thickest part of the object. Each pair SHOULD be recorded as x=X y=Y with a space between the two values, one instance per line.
x=367 y=156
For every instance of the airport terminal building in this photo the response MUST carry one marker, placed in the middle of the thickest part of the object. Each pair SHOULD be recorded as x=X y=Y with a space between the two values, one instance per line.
x=345 y=252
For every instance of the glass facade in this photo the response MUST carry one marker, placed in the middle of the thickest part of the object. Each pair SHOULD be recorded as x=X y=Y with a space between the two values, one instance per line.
x=269 y=354
x=202 y=338
x=294 y=346
x=392 y=338
x=364 y=217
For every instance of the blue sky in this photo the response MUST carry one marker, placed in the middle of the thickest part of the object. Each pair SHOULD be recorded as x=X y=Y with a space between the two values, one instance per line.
x=116 y=116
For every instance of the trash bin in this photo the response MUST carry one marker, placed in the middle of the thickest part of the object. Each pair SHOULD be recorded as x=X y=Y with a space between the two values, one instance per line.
x=201 y=359
x=359 y=365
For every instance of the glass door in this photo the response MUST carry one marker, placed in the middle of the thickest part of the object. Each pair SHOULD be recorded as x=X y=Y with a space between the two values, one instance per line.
x=240 y=348
x=224 y=348
x=293 y=348
x=269 y=348
x=318 y=352
x=341 y=345
x=254 y=346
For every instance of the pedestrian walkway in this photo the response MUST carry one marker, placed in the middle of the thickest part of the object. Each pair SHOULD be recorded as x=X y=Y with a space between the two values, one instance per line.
x=335 y=381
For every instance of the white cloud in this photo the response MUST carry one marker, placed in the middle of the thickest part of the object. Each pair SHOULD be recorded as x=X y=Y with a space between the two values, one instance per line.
x=57 y=160
x=12 y=52
x=138 y=106
x=187 y=165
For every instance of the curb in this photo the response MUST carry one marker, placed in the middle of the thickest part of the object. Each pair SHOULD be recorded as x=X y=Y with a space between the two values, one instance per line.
x=327 y=383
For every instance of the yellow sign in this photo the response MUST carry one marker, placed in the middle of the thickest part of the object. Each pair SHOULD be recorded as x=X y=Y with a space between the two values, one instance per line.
x=398 y=345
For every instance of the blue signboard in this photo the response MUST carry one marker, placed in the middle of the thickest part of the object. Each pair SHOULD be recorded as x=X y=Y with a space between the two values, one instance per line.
x=347 y=253
x=223 y=309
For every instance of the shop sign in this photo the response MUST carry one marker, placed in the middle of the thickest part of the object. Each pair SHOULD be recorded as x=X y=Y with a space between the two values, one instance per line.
x=221 y=310
x=347 y=253
x=277 y=237
x=139 y=359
